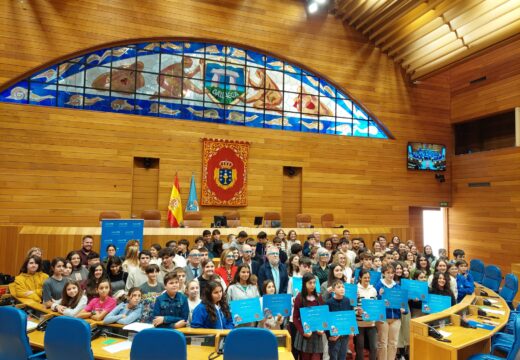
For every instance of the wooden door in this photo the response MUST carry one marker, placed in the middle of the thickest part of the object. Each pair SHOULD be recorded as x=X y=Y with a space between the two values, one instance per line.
x=291 y=195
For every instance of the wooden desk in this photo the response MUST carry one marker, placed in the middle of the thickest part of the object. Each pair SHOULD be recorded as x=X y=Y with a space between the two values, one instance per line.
x=464 y=341
x=36 y=338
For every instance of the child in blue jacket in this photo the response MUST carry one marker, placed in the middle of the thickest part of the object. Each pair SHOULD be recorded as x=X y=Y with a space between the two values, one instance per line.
x=171 y=308
x=465 y=281
x=213 y=312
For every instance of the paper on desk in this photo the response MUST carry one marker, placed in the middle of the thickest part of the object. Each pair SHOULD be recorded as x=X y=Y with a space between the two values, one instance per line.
x=31 y=325
x=137 y=326
x=121 y=346
x=444 y=333
x=493 y=301
x=493 y=311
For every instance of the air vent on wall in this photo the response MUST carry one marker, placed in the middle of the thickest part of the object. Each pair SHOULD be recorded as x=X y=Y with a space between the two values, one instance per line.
x=480 y=79
x=479 y=184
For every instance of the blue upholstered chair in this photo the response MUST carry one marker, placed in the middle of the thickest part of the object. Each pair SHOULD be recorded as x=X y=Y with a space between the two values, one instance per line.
x=68 y=338
x=476 y=269
x=159 y=344
x=14 y=344
x=251 y=344
x=492 y=277
x=510 y=288
x=513 y=349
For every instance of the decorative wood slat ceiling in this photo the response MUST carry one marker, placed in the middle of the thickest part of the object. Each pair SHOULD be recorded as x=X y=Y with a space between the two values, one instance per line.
x=424 y=36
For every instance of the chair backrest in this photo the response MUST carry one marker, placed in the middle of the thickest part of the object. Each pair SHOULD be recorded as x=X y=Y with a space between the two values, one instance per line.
x=303 y=221
x=109 y=215
x=269 y=217
x=510 y=288
x=14 y=344
x=250 y=344
x=159 y=344
x=327 y=220
x=492 y=277
x=477 y=268
x=233 y=218
x=68 y=338
x=515 y=349
x=192 y=219
x=152 y=218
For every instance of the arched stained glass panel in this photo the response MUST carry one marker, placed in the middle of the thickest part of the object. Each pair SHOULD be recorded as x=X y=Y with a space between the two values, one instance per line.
x=198 y=81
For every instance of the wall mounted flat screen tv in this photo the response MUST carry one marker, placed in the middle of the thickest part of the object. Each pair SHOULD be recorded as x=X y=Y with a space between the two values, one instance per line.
x=423 y=156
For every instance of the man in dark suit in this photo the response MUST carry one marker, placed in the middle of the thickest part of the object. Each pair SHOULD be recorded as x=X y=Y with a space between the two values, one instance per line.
x=247 y=253
x=274 y=270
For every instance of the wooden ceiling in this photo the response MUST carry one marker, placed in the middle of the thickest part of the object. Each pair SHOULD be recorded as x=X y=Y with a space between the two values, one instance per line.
x=427 y=35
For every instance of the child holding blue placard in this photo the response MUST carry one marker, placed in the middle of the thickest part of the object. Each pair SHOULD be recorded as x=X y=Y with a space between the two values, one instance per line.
x=338 y=302
x=270 y=322
x=309 y=344
x=213 y=312
x=367 y=329
x=388 y=331
x=335 y=273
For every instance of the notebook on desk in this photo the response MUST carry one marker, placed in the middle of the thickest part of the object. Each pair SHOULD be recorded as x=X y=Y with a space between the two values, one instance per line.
x=31 y=325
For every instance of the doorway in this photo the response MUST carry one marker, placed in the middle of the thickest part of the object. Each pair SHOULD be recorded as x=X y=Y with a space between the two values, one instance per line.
x=291 y=195
x=428 y=227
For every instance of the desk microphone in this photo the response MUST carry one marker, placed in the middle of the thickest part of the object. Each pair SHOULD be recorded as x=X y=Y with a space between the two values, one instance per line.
x=489 y=303
x=481 y=312
x=485 y=293
x=436 y=334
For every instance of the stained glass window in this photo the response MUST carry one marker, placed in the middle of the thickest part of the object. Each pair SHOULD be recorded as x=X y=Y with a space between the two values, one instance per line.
x=198 y=81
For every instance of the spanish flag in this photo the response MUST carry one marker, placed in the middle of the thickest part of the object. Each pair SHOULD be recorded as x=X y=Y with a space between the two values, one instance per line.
x=175 y=205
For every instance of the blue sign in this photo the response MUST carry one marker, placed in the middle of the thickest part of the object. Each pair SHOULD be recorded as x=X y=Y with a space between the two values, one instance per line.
x=277 y=304
x=351 y=293
x=395 y=298
x=436 y=303
x=118 y=232
x=315 y=318
x=343 y=323
x=246 y=311
x=297 y=285
x=373 y=310
x=375 y=276
x=417 y=290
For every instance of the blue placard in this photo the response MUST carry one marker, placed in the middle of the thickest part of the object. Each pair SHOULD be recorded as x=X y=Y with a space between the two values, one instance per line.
x=417 y=290
x=481 y=325
x=117 y=232
x=436 y=303
x=395 y=298
x=373 y=310
x=315 y=318
x=375 y=276
x=351 y=293
x=277 y=304
x=343 y=323
x=246 y=311
x=297 y=285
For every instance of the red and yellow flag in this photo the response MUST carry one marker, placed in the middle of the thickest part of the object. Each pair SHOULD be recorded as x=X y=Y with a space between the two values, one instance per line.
x=175 y=206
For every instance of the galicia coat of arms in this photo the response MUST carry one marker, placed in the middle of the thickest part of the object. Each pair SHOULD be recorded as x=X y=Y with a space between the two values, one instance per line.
x=225 y=175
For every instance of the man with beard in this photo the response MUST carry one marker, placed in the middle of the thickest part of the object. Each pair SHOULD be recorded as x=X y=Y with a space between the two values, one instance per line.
x=86 y=248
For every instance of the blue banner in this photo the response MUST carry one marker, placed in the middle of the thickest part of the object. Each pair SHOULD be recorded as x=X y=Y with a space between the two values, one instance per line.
x=436 y=303
x=395 y=298
x=315 y=318
x=373 y=310
x=277 y=304
x=193 y=203
x=117 y=232
x=417 y=290
x=343 y=323
x=351 y=293
x=297 y=285
x=246 y=311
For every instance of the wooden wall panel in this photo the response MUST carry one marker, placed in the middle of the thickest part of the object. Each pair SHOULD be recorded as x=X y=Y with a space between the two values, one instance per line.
x=145 y=186
x=62 y=167
x=292 y=198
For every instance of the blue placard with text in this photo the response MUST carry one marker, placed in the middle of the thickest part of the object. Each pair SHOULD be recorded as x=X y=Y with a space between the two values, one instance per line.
x=117 y=232
x=417 y=290
x=436 y=303
x=351 y=293
x=343 y=323
x=395 y=298
x=373 y=310
x=315 y=318
x=277 y=304
x=246 y=311
x=375 y=276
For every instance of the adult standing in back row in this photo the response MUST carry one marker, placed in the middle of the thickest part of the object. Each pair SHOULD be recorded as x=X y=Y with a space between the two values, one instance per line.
x=272 y=269
x=86 y=247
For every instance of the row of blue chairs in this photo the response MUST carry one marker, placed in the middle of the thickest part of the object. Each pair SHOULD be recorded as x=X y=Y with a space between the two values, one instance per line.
x=491 y=277
x=67 y=338
x=506 y=343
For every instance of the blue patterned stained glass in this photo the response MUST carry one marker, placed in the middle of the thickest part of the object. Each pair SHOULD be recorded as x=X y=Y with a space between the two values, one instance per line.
x=198 y=81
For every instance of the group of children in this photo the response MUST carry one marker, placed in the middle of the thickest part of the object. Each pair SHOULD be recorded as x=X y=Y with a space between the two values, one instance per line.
x=197 y=294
